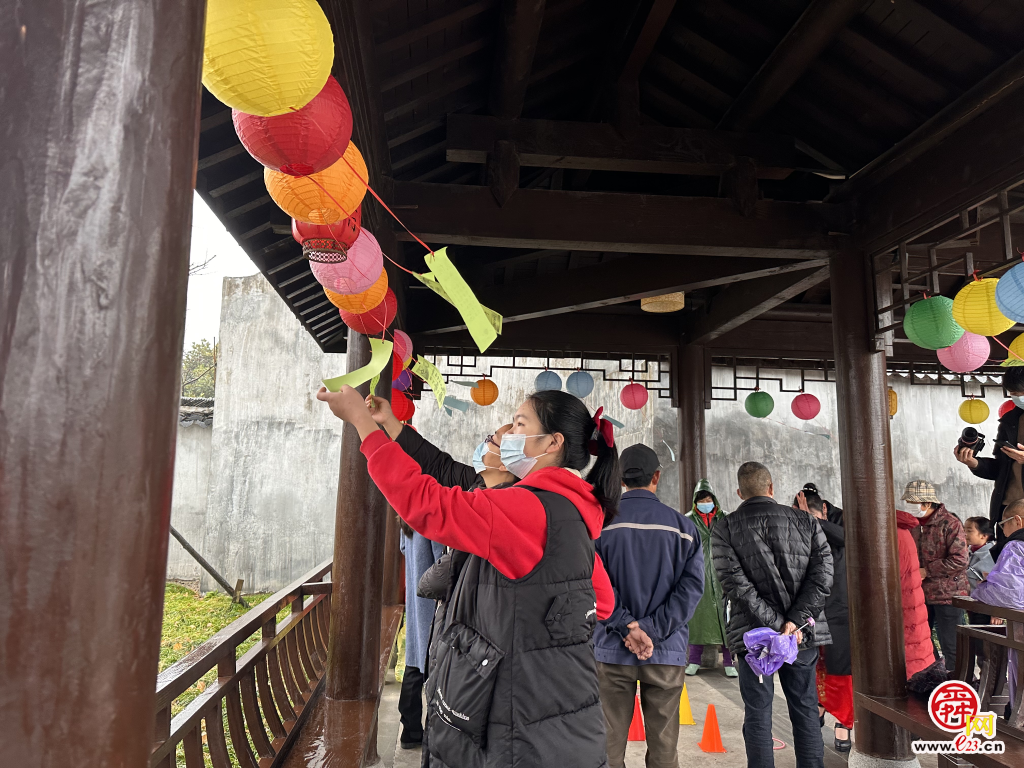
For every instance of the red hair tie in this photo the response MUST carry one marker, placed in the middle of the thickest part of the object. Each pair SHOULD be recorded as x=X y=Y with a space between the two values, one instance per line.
x=602 y=430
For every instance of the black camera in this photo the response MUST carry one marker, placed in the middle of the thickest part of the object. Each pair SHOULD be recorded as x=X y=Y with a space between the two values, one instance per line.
x=971 y=438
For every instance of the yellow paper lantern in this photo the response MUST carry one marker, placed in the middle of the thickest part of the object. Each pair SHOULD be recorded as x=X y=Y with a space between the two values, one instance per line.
x=266 y=57
x=893 y=402
x=361 y=302
x=975 y=309
x=486 y=392
x=1015 y=356
x=321 y=198
x=973 y=411
x=666 y=302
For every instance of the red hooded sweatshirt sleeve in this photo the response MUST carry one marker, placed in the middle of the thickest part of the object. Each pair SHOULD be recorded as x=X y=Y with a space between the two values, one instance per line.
x=507 y=527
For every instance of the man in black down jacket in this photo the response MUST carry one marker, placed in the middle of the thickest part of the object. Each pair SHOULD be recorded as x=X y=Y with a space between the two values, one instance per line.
x=775 y=567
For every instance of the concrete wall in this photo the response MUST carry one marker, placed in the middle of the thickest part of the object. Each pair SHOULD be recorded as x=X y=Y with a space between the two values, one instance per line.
x=273 y=451
x=191 y=484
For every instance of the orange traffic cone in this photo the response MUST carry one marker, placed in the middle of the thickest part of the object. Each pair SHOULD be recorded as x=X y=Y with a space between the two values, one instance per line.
x=636 y=728
x=711 y=741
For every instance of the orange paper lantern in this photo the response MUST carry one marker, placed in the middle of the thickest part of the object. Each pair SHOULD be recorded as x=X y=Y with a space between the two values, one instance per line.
x=357 y=303
x=486 y=392
x=321 y=198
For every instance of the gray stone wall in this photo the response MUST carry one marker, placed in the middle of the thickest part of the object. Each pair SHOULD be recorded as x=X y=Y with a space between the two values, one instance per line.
x=191 y=484
x=274 y=450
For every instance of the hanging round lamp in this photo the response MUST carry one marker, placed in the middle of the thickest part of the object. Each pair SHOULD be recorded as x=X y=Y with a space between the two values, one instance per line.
x=580 y=384
x=547 y=380
x=1010 y=294
x=299 y=143
x=266 y=57
x=929 y=323
x=326 y=197
x=1015 y=353
x=375 y=321
x=806 y=406
x=357 y=303
x=759 y=404
x=353 y=270
x=634 y=396
x=403 y=344
x=973 y=411
x=485 y=392
x=893 y=402
x=1006 y=407
x=402 y=406
x=344 y=232
x=975 y=308
x=403 y=382
x=667 y=302
x=969 y=353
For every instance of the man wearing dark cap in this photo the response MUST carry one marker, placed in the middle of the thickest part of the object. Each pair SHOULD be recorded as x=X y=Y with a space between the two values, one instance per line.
x=655 y=562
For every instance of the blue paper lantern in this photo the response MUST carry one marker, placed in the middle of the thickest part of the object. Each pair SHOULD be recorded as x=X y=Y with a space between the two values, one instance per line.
x=1010 y=294
x=579 y=384
x=547 y=380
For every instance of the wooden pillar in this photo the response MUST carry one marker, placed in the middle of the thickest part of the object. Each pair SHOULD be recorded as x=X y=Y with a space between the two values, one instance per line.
x=689 y=376
x=393 y=570
x=353 y=652
x=872 y=561
x=99 y=158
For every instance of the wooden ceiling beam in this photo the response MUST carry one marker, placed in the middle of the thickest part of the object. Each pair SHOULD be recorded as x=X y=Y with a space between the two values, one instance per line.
x=599 y=147
x=613 y=282
x=968 y=166
x=519 y=26
x=804 y=42
x=604 y=221
x=576 y=333
x=647 y=37
x=742 y=302
x=1000 y=84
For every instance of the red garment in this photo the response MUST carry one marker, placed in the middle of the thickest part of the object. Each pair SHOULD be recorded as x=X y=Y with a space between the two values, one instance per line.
x=508 y=527
x=917 y=635
x=835 y=693
x=707 y=517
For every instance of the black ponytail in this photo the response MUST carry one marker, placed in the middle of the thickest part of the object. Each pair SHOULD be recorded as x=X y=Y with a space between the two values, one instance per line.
x=560 y=412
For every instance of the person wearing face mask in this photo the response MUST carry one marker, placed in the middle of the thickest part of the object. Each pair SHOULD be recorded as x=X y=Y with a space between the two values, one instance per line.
x=516 y=674
x=917 y=635
x=707 y=627
x=1007 y=462
x=942 y=551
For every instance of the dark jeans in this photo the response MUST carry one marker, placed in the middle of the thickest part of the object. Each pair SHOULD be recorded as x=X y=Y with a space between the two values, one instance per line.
x=799 y=686
x=410 y=706
x=944 y=619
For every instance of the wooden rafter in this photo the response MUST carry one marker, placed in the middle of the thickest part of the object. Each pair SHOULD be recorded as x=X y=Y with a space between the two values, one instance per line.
x=817 y=25
x=598 y=146
x=518 y=32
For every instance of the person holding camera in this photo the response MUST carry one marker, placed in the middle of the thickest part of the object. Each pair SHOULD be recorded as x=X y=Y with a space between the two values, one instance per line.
x=942 y=551
x=1005 y=467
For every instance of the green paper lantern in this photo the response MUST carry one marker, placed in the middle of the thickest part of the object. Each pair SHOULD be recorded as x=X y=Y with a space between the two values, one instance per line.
x=759 y=404
x=929 y=323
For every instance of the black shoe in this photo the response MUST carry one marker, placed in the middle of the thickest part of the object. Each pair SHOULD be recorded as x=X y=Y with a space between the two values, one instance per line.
x=410 y=744
x=843 y=745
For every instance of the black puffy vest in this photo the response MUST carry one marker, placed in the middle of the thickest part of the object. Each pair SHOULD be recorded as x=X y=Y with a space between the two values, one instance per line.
x=515 y=680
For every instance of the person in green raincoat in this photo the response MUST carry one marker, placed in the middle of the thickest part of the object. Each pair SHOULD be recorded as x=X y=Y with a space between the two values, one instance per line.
x=707 y=627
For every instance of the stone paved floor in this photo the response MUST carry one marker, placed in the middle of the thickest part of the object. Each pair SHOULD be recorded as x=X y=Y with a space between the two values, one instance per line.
x=708 y=687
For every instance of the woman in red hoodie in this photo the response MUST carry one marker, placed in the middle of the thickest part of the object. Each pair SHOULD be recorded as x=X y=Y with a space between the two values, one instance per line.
x=917 y=635
x=516 y=674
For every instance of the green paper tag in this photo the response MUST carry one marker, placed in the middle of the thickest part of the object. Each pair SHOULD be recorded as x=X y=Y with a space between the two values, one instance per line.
x=484 y=324
x=381 y=356
x=429 y=373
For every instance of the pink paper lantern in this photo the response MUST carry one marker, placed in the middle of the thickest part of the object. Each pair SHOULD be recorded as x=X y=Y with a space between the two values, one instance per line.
x=360 y=269
x=402 y=382
x=806 y=406
x=1005 y=408
x=634 y=396
x=403 y=346
x=969 y=353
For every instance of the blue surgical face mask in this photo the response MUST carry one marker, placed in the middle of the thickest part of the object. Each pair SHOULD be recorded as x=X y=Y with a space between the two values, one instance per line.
x=478 y=457
x=1017 y=400
x=513 y=454
x=705 y=506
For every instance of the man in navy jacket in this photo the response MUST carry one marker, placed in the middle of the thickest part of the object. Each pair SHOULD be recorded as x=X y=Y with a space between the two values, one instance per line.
x=656 y=564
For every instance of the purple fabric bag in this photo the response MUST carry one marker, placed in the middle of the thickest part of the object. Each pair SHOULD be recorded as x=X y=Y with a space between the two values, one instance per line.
x=767 y=650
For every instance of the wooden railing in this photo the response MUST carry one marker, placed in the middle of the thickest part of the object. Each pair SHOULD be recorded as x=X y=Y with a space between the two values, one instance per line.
x=259 y=700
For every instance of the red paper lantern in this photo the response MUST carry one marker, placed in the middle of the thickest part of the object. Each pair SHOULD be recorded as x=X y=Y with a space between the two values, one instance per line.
x=299 y=143
x=344 y=232
x=806 y=406
x=1005 y=408
x=376 y=320
x=397 y=365
x=634 y=396
x=402 y=406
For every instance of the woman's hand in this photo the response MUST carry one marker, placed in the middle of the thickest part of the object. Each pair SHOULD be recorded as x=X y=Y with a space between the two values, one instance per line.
x=966 y=456
x=1017 y=454
x=380 y=410
x=348 y=405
